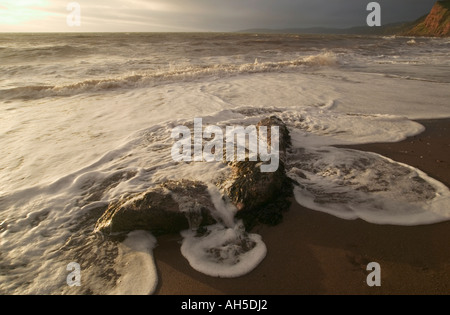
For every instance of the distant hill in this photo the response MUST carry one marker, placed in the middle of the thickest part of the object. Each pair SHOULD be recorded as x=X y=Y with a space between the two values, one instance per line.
x=437 y=23
x=388 y=29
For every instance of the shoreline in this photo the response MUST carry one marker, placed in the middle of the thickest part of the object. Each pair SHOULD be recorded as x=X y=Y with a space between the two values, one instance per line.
x=312 y=252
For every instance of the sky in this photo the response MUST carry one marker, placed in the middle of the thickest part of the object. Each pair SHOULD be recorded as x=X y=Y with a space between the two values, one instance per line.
x=197 y=15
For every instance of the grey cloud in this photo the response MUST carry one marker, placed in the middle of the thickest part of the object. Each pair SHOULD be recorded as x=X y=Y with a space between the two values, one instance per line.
x=227 y=15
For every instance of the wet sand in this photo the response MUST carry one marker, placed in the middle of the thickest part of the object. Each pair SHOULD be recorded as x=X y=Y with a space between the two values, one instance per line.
x=315 y=253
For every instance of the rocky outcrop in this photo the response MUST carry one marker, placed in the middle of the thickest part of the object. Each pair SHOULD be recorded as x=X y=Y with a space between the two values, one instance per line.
x=437 y=23
x=175 y=206
x=170 y=208
x=261 y=197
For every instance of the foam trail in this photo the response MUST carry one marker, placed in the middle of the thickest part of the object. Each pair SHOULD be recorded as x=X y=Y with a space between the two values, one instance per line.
x=136 y=265
x=352 y=184
x=223 y=252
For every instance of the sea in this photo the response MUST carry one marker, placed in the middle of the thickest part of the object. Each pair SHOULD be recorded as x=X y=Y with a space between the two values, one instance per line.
x=86 y=119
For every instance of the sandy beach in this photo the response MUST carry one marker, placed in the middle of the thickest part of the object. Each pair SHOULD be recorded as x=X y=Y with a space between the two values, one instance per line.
x=315 y=253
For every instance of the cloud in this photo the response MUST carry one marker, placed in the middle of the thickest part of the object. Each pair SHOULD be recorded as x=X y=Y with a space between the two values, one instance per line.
x=15 y=12
x=200 y=15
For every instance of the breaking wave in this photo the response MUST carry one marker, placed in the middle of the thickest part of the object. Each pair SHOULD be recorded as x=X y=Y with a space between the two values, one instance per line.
x=154 y=78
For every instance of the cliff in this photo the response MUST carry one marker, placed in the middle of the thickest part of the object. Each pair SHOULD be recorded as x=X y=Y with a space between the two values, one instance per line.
x=437 y=23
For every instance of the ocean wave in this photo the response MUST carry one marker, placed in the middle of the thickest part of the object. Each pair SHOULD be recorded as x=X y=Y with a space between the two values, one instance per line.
x=40 y=52
x=153 y=78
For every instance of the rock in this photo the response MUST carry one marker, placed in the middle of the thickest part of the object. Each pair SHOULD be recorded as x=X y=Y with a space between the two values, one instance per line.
x=260 y=197
x=175 y=206
x=170 y=208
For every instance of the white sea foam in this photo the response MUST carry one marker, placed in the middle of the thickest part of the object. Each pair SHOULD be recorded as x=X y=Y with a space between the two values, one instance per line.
x=223 y=252
x=136 y=265
x=353 y=184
